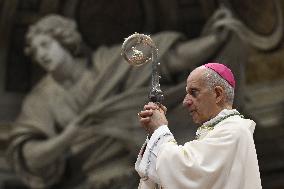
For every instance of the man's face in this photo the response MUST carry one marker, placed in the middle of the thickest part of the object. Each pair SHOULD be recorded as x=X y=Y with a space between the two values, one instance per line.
x=200 y=99
x=47 y=52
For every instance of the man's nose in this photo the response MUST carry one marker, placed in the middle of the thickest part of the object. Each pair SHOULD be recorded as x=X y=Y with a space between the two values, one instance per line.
x=187 y=101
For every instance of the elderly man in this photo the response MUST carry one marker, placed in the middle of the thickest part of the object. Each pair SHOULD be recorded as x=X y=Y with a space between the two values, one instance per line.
x=223 y=156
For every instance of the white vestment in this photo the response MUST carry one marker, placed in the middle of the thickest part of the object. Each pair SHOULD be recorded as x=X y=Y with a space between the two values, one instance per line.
x=221 y=158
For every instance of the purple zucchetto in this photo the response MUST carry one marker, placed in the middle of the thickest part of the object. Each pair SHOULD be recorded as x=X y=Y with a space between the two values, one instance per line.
x=223 y=71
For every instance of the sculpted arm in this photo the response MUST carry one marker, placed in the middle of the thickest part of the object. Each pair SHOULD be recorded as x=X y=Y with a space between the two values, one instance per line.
x=39 y=153
x=189 y=54
x=35 y=136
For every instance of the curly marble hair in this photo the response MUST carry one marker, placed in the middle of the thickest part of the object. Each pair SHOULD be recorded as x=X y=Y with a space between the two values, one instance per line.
x=62 y=29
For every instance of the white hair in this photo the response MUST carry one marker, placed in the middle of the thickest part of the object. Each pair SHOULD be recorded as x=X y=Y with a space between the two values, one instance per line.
x=213 y=79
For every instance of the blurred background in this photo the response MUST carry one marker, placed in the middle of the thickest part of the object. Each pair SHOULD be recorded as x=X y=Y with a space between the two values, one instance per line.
x=107 y=22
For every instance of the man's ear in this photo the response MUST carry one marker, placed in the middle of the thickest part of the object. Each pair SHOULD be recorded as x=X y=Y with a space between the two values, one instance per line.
x=220 y=94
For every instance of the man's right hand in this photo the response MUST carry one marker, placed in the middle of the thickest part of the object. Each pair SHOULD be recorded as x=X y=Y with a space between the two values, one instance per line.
x=152 y=117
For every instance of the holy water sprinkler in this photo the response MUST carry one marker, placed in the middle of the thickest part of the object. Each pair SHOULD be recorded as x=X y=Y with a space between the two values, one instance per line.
x=139 y=49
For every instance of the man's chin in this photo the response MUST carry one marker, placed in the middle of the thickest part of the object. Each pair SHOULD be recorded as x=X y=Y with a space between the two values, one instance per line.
x=197 y=122
x=195 y=119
